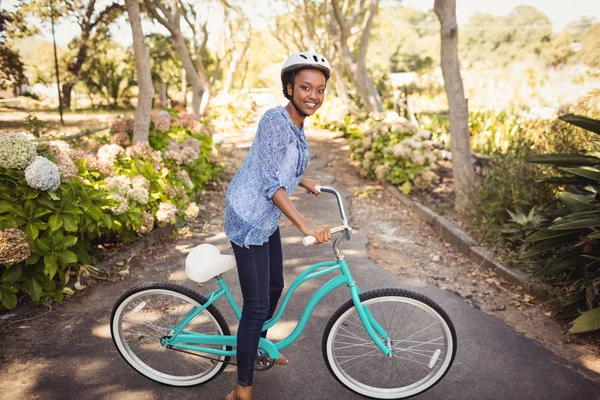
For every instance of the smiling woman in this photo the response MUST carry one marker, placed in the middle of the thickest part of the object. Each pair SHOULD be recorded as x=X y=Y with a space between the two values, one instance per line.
x=260 y=193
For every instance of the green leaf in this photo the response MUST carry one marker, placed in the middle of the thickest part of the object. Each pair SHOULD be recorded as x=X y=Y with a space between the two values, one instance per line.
x=558 y=265
x=50 y=265
x=405 y=188
x=586 y=172
x=7 y=206
x=33 y=289
x=55 y=222
x=9 y=300
x=544 y=234
x=53 y=196
x=575 y=202
x=586 y=322
x=69 y=241
x=107 y=220
x=40 y=212
x=59 y=297
x=66 y=257
x=594 y=235
x=586 y=123
x=68 y=290
x=11 y=275
x=94 y=211
x=576 y=224
x=44 y=244
x=543 y=246
x=69 y=223
x=72 y=209
x=564 y=160
x=31 y=231
x=565 y=180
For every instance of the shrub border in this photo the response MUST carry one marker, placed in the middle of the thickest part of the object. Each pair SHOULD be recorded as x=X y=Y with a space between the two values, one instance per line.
x=463 y=243
x=28 y=310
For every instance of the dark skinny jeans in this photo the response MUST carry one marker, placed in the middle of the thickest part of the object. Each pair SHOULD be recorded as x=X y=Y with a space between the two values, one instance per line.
x=260 y=270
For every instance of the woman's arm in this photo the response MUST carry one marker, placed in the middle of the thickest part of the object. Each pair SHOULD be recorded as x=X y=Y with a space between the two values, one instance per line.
x=281 y=200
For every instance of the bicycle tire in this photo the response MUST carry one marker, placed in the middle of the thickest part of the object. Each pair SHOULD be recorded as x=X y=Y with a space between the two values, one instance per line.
x=341 y=323
x=142 y=315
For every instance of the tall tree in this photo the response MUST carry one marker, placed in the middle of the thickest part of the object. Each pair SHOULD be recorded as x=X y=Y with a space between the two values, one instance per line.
x=144 y=78
x=462 y=169
x=12 y=69
x=89 y=20
x=346 y=24
x=171 y=14
x=164 y=65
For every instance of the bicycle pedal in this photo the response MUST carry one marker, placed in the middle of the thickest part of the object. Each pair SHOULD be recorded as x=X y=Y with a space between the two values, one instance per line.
x=263 y=363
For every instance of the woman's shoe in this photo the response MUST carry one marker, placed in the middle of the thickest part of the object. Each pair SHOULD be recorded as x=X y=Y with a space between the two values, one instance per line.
x=232 y=395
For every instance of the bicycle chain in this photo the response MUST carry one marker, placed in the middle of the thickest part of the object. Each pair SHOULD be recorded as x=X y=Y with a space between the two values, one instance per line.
x=263 y=362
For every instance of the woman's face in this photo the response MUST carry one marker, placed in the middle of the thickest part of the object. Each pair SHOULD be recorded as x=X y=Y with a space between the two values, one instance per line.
x=309 y=90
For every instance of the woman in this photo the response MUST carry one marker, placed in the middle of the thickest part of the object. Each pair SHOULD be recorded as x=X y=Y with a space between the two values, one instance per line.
x=259 y=194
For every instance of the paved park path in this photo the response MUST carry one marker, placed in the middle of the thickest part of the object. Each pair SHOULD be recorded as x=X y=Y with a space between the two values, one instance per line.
x=68 y=353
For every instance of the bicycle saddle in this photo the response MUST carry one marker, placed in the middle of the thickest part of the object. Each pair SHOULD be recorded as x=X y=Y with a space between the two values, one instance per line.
x=205 y=262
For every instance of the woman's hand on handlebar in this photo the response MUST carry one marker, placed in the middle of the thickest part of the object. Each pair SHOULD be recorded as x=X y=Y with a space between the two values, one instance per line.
x=322 y=234
x=310 y=186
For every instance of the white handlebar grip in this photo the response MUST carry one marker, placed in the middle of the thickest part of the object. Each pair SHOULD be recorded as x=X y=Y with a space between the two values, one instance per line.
x=308 y=240
x=318 y=188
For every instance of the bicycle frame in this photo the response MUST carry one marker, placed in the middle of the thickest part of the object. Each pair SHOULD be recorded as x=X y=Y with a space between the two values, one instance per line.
x=188 y=340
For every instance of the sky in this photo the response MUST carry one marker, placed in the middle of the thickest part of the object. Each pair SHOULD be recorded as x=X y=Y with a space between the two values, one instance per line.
x=559 y=12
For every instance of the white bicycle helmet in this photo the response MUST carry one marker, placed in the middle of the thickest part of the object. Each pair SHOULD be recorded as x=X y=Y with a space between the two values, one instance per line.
x=306 y=60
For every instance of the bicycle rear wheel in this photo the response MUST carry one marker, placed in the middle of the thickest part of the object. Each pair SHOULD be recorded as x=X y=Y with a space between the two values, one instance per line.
x=145 y=314
x=421 y=335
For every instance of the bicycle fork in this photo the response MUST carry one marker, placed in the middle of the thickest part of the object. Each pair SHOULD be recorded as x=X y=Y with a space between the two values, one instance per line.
x=376 y=332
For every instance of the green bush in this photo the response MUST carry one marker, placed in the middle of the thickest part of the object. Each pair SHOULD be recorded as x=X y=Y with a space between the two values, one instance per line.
x=390 y=149
x=54 y=212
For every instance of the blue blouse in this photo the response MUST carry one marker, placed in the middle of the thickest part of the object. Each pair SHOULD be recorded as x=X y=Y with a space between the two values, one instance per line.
x=277 y=158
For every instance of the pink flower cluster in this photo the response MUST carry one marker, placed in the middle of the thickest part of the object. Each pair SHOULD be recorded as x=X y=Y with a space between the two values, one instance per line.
x=183 y=153
x=162 y=121
x=120 y=138
x=61 y=151
x=122 y=125
x=186 y=121
x=144 y=151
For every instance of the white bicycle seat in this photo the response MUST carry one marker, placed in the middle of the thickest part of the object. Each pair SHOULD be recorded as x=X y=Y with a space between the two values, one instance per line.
x=205 y=262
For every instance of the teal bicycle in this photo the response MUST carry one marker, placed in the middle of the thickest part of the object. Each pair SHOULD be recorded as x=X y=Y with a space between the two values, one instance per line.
x=383 y=344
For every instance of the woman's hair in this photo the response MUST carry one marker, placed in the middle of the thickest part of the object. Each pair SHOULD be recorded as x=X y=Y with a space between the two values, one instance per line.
x=287 y=77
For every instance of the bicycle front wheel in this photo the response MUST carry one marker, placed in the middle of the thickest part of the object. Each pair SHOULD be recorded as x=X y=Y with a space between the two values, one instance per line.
x=421 y=335
x=145 y=314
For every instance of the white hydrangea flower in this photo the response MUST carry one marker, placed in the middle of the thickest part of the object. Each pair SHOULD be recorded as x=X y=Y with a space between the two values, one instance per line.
x=139 y=195
x=191 y=212
x=17 y=151
x=147 y=222
x=140 y=182
x=42 y=174
x=62 y=145
x=118 y=184
x=122 y=205
x=166 y=212
x=418 y=158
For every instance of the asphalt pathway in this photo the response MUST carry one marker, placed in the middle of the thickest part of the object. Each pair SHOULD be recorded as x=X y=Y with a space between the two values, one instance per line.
x=74 y=357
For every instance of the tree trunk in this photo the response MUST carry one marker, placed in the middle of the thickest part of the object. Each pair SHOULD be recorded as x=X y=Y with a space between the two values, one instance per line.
x=144 y=78
x=462 y=169
x=162 y=93
x=183 y=88
x=338 y=81
x=356 y=66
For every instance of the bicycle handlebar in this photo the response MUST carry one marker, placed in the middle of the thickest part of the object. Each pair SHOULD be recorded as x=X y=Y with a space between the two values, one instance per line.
x=308 y=240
